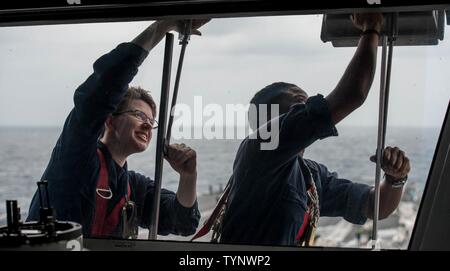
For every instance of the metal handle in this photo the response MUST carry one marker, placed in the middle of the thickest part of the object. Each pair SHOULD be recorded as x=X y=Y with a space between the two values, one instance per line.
x=184 y=40
x=165 y=88
x=386 y=67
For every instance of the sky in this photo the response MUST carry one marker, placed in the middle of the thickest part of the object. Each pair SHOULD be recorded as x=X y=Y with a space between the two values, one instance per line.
x=41 y=66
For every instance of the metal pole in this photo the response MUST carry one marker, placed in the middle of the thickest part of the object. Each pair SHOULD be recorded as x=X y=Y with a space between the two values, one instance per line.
x=12 y=216
x=382 y=117
x=392 y=36
x=184 y=40
x=165 y=88
x=380 y=141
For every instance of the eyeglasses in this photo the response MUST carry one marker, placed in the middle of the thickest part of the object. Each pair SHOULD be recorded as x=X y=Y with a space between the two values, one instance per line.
x=140 y=116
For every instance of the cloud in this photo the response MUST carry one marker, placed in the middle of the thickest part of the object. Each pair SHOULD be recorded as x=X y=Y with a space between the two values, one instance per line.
x=263 y=36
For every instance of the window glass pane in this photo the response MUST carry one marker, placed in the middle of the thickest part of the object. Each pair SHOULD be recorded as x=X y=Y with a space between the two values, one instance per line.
x=223 y=69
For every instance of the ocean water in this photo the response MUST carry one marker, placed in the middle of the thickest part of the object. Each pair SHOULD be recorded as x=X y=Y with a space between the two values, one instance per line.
x=25 y=151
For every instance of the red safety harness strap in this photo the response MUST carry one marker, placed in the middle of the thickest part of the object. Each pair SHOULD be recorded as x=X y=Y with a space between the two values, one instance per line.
x=103 y=225
x=301 y=232
x=212 y=218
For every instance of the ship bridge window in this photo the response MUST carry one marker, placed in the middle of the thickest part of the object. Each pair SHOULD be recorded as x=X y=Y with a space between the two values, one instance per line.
x=223 y=69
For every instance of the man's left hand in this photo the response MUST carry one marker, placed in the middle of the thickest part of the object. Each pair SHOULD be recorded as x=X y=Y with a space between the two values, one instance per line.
x=182 y=159
x=394 y=163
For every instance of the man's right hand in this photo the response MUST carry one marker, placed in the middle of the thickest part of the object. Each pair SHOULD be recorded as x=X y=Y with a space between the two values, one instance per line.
x=366 y=21
x=178 y=25
x=153 y=34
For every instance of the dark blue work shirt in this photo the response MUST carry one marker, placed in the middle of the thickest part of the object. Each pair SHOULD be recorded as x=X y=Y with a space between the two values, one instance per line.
x=74 y=166
x=268 y=198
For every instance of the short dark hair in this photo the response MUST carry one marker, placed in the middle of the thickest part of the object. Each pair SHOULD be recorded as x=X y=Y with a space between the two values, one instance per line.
x=136 y=93
x=270 y=93
x=275 y=93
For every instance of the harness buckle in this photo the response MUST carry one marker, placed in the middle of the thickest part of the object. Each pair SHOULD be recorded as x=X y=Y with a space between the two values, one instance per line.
x=129 y=214
x=108 y=192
